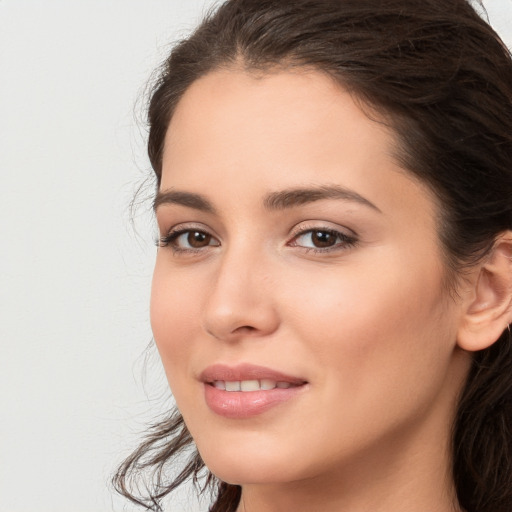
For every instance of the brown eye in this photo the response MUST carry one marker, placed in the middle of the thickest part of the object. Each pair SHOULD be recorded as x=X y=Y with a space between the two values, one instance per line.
x=323 y=238
x=188 y=240
x=198 y=239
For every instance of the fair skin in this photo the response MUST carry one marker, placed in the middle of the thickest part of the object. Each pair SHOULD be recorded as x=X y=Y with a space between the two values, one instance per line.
x=342 y=287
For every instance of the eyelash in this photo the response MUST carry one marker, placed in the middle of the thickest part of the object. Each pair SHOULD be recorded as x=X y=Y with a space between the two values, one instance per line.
x=346 y=241
x=170 y=239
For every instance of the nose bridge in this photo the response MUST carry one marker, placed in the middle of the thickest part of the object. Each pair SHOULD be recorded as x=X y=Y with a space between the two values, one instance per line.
x=240 y=300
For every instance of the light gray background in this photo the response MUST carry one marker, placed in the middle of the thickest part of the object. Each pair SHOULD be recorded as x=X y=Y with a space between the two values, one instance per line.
x=74 y=274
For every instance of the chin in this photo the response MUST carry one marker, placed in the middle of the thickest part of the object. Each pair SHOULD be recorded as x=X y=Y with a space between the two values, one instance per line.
x=250 y=465
x=245 y=473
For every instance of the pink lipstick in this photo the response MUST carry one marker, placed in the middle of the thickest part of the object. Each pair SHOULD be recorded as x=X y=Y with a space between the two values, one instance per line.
x=247 y=390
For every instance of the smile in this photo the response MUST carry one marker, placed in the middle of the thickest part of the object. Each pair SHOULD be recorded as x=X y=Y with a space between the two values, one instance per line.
x=251 y=385
x=246 y=390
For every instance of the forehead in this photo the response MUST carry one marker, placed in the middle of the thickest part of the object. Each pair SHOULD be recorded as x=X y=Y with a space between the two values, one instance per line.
x=237 y=132
x=235 y=112
x=296 y=93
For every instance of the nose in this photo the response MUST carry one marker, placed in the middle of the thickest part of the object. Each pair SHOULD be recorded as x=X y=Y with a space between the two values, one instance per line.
x=241 y=300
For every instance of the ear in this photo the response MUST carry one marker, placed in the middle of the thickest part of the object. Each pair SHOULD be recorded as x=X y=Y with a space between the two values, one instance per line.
x=487 y=309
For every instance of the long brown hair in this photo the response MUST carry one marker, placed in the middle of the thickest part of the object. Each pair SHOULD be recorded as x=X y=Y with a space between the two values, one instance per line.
x=442 y=78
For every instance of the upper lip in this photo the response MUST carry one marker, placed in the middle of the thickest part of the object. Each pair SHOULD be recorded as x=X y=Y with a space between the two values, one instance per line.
x=246 y=371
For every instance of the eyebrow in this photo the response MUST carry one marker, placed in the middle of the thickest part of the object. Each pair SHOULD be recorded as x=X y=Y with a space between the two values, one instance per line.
x=298 y=196
x=281 y=200
x=189 y=199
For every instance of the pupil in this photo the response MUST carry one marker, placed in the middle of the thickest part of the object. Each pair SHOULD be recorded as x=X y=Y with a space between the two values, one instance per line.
x=323 y=239
x=198 y=239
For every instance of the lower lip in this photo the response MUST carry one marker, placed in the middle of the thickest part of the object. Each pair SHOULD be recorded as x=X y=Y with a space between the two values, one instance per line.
x=245 y=404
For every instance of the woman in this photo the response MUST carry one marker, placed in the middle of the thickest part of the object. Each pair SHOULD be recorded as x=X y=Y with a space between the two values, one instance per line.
x=333 y=285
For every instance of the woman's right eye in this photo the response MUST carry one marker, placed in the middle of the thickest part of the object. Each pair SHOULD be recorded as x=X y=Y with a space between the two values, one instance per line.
x=188 y=240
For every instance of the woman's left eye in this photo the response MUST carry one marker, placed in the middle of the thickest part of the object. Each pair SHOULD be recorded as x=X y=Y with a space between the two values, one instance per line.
x=322 y=239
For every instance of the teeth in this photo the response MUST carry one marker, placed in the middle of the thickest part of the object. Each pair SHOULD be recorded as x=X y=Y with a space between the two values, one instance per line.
x=233 y=385
x=267 y=384
x=250 y=385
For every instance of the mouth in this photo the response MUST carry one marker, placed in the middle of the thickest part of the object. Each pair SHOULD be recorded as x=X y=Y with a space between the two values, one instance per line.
x=251 y=385
x=246 y=390
x=248 y=377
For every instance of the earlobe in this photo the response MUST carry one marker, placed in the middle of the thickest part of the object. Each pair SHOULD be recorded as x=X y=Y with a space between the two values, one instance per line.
x=488 y=311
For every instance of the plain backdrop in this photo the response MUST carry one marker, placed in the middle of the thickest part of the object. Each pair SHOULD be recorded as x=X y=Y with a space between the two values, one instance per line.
x=77 y=384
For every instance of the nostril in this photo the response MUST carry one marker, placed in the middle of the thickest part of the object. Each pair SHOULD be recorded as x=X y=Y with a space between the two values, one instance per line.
x=237 y=332
x=245 y=329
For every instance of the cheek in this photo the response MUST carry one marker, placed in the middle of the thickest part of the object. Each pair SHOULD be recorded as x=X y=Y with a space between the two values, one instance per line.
x=372 y=326
x=379 y=344
x=175 y=308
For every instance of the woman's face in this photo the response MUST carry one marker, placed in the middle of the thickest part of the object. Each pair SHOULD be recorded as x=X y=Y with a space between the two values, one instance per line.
x=300 y=264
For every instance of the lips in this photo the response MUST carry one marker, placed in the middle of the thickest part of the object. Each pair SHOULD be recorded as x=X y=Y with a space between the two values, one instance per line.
x=247 y=390
x=246 y=372
x=251 y=385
